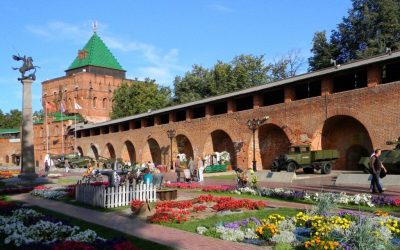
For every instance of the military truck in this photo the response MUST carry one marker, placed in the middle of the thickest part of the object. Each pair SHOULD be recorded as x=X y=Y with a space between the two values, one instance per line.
x=389 y=158
x=74 y=160
x=300 y=156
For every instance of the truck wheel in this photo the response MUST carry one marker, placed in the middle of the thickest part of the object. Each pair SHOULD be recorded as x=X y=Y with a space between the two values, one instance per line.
x=326 y=168
x=275 y=166
x=308 y=170
x=291 y=167
x=108 y=165
x=75 y=166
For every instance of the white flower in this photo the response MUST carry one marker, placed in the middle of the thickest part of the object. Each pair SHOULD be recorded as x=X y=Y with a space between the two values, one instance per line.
x=230 y=234
x=201 y=230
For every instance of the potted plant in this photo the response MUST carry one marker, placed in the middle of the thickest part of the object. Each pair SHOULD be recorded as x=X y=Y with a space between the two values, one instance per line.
x=136 y=206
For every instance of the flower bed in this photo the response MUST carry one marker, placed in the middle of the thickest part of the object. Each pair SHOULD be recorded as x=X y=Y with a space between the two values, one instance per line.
x=342 y=231
x=26 y=229
x=58 y=193
x=288 y=194
x=182 y=185
x=6 y=191
x=219 y=188
x=6 y=174
x=179 y=211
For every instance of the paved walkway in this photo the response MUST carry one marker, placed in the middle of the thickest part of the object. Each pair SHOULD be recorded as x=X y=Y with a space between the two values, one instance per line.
x=167 y=236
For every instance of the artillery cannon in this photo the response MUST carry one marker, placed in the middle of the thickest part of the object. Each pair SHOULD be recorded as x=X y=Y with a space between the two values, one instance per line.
x=389 y=158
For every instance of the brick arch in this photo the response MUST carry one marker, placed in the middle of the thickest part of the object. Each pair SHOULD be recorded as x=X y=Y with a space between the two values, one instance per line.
x=219 y=140
x=272 y=141
x=80 y=151
x=182 y=144
x=93 y=151
x=128 y=152
x=151 y=151
x=109 y=151
x=349 y=136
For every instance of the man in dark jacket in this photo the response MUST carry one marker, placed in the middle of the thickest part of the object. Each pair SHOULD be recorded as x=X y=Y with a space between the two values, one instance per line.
x=376 y=168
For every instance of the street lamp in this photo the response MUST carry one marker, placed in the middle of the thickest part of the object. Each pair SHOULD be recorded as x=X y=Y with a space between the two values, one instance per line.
x=254 y=124
x=171 y=134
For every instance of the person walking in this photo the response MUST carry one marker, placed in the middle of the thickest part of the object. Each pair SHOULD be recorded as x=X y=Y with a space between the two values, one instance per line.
x=200 y=167
x=191 y=167
x=376 y=167
x=178 y=169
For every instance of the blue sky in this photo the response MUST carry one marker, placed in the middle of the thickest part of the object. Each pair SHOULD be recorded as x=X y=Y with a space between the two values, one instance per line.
x=156 y=39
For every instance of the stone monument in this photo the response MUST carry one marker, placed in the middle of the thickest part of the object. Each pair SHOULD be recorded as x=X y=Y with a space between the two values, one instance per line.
x=28 y=76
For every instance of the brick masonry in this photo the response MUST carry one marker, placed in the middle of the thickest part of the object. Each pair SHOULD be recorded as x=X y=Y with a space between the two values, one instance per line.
x=354 y=121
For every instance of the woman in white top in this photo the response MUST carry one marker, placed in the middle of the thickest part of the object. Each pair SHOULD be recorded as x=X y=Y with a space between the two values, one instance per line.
x=200 y=167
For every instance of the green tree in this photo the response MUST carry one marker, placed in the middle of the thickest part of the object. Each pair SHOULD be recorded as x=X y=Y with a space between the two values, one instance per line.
x=369 y=28
x=138 y=97
x=38 y=115
x=13 y=119
x=196 y=84
x=322 y=52
x=244 y=71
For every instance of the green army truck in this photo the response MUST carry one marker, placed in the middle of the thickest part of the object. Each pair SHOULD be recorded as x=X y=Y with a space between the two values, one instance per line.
x=74 y=160
x=389 y=158
x=300 y=156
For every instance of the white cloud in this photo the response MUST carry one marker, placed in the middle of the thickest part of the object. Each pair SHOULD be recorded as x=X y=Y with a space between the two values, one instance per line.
x=158 y=64
x=220 y=8
x=57 y=30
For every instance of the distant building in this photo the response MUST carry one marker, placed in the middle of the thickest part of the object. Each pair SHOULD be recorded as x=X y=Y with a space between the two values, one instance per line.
x=86 y=90
x=10 y=147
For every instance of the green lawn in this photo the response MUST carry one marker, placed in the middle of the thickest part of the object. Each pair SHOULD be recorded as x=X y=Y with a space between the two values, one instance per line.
x=191 y=226
x=67 y=181
x=222 y=177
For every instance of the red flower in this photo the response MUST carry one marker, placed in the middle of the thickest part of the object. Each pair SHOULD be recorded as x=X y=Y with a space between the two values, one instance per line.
x=99 y=183
x=199 y=208
x=41 y=188
x=69 y=245
x=218 y=188
x=136 y=204
x=183 y=185
x=125 y=245
x=396 y=202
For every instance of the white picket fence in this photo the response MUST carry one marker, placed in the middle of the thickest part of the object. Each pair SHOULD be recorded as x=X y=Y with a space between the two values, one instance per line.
x=108 y=197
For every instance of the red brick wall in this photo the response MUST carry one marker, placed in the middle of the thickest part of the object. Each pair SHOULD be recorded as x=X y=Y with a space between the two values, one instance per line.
x=375 y=108
x=7 y=149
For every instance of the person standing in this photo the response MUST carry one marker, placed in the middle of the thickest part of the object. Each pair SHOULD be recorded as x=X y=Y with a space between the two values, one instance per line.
x=200 y=167
x=66 y=164
x=46 y=167
x=376 y=168
x=191 y=167
x=178 y=169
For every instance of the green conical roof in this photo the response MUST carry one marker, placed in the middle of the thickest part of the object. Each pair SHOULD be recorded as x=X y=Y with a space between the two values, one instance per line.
x=95 y=53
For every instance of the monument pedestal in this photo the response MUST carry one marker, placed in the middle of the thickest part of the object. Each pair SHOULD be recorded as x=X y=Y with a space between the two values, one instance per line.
x=27 y=150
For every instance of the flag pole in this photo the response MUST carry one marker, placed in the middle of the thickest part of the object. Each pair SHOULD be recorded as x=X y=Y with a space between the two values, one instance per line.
x=62 y=132
x=75 y=151
x=47 y=129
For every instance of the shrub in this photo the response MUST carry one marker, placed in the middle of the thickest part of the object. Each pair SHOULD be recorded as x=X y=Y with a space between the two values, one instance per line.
x=282 y=246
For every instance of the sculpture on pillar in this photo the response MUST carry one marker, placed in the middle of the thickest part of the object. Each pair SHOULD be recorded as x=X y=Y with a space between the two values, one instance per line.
x=27 y=66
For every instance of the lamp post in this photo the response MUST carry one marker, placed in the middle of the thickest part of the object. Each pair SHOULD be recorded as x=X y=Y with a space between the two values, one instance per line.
x=254 y=124
x=171 y=134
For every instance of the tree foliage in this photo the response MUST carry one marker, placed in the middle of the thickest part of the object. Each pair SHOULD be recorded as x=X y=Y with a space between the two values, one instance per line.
x=369 y=28
x=322 y=52
x=13 y=119
x=242 y=72
x=139 y=96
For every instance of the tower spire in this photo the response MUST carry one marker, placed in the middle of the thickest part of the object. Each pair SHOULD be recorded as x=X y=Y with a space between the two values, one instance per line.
x=94 y=26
